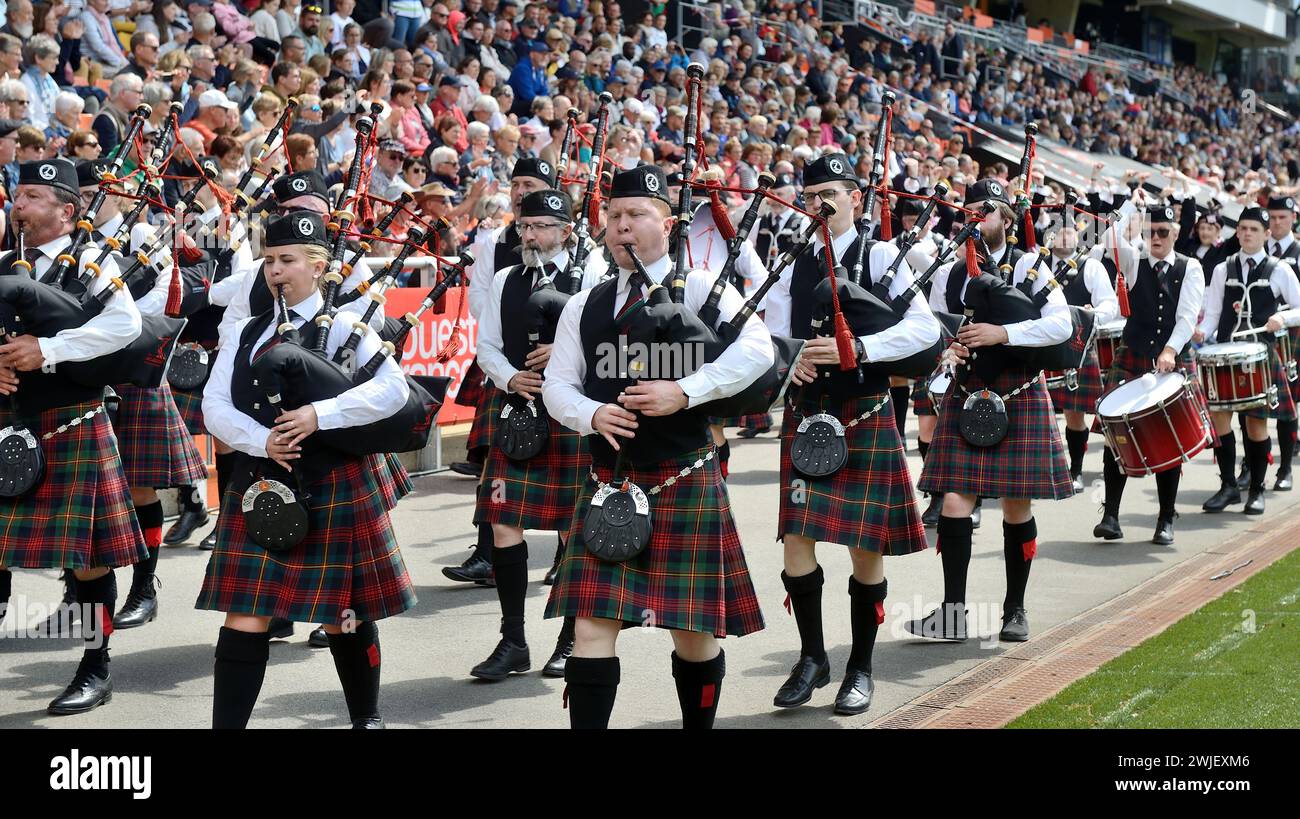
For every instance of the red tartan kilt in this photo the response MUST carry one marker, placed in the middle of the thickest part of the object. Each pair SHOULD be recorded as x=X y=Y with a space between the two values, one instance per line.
x=394 y=482
x=922 y=403
x=1029 y=463
x=760 y=420
x=157 y=450
x=80 y=516
x=869 y=504
x=1084 y=398
x=539 y=493
x=348 y=567
x=482 y=433
x=691 y=577
x=1294 y=386
x=189 y=403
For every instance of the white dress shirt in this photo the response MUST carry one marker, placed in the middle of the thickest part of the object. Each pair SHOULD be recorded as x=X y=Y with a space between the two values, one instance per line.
x=1053 y=325
x=371 y=401
x=1190 y=296
x=491 y=348
x=1101 y=294
x=1274 y=246
x=736 y=368
x=484 y=268
x=707 y=250
x=111 y=330
x=1282 y=281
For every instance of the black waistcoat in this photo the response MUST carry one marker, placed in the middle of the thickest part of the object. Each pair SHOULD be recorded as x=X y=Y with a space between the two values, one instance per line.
x=505 y=253
x=958 y=274
x=1254 y=297
x=1076 y=292
x=260 y=299
x=657 y=439
x=514 y=333
x=1154 y=308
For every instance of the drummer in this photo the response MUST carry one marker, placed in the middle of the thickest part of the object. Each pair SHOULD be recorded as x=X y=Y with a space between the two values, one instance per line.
x=1246 y=292
x=1084 y=286
x=1165 y=293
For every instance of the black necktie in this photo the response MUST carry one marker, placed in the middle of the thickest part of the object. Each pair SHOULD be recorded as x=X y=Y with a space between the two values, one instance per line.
x=1250 y=267
x=1277 y=249
x=1160 y=268
x=634 y=296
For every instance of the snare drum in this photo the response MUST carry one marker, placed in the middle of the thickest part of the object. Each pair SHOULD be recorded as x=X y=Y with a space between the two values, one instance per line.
x=1108 y=339
x=1155 y=423
x=939 y=385
x=1286 y=354
x=1236 y=376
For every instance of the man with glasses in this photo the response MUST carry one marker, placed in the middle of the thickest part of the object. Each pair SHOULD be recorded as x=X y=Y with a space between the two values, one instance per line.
x=110 y=124
x=15 y=99
x=308 y=28
x=144 y=54
x=386 y=179
x=540 y=491
x=504 y=32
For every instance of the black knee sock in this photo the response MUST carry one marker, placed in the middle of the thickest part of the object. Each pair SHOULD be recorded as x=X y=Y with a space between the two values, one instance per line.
x=1167 y=491
x=699 y=686
x=6 y=588
x=151 y=521
x=225 y=467
x=566 y=630
x=866 y=613
x=900 y=397
x=1115 y=481
x=511 y=568
x=356 y=659
x=806 y=599
x=590 y=686
x=1286 y=432
x=1019 y=545
x=922 y=447
x=188 y=497
x=954 y=550
x=1226 y=456
x=483 y=549
x=237 y=676
x=97 y=623
x=1077 y=442
x=1257 y=457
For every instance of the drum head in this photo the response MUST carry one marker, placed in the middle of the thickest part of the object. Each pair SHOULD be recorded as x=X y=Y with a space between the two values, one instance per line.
x=1140 y=394
x=1233 y=351
x=1112 y=329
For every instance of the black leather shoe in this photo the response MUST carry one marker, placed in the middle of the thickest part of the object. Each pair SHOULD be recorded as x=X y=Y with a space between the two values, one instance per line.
x=1243 y=478
x=1078 y=484
x=506 y=659
x=1227 y=495
x=466 y=468
x=1108 y=529
x=318 y=638
x=368 y=723
x=1015 y=627
x=141 y=605
x=87 y=691
x=474 y=570
x=1164 y=535
x=752 y=432
x=807 y=675
x=280 y=628
x=1255 y=501
x=210 y=542
x=555 y=666
x=1283 y=482
x=932 y=512
x=191 y=518
x=855 y=693
x=549 y=580
x=948 y=622
x=977 y=514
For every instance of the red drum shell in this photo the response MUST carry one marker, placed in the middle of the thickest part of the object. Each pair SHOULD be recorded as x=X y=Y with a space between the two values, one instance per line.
x=1155 y=423
x=1236 y=376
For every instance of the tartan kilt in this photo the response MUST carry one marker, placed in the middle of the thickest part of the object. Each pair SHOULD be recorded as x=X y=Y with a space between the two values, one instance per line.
x=348 y=566
x=1028 y=463
x=540 y=493
x=80 y=516
x=189 y=403
x=157 y=450
x=691 y=577
x=1286 y=405
x=1084 y=398
x=394 y=483
x=483 y=432
x=758 y=420
x=869 y=503
x=922 y=403
x=1295 y=354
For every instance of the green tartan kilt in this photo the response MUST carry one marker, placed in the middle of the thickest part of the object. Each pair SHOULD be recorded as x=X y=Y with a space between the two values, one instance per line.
x=482 y=433
x=691 y=577
x=869 y=503
x=539 y=493
x=80 y=515
x=1028 y=463
x=157 y=450
x=348 y=567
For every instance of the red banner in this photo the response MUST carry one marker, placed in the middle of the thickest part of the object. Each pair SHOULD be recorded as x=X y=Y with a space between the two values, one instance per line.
x=431 y=336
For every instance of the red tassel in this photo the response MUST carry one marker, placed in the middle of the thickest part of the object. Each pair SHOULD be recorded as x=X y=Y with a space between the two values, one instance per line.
x=1030 y=240
x=708 y=695
x=788 y=610
x=880 y=612
x=972 y=260
x=1121 y=293
x=844 y=343
x=720 y=216
x=1029 y=548
x=372 y=655
x=173 y=307
x=886 y=220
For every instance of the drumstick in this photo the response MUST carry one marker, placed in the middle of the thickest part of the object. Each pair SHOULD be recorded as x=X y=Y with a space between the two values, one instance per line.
x=1254 y=331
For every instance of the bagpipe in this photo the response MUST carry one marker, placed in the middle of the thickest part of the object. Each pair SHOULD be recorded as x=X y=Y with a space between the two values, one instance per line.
x=1023 y=215
x=589 y=210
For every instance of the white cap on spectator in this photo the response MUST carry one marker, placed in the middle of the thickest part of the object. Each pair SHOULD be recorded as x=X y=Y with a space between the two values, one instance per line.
x=212 y=98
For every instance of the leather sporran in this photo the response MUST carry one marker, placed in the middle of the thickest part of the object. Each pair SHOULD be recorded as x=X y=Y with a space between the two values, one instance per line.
x=983 y=421
x=819 y=449
x=22 y=461
x=522 y=430
x=617 y=527
x=189 y=366
x=275 y=518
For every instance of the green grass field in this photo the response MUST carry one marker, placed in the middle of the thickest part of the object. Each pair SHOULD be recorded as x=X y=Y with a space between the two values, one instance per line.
x=1234 y=663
